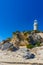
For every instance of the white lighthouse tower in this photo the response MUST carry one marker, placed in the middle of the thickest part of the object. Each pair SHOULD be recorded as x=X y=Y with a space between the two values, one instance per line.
x=35 y=25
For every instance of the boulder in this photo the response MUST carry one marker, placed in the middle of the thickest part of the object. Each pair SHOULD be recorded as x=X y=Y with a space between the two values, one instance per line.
x=34 y=38
x=29 y=55
x=8 y=46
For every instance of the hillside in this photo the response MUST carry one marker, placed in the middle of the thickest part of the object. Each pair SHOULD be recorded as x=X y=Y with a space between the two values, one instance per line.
x=25 y=38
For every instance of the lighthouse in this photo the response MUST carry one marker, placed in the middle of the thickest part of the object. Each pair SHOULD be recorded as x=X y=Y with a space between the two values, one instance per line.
x=35 y=25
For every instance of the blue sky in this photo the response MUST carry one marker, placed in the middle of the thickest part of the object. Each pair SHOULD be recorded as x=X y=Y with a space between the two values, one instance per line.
x=19 y=15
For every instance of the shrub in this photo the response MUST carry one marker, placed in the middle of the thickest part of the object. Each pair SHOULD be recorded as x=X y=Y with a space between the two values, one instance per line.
x=8 y=39
x=30 y=46
x=37 y=44
x=14 y=33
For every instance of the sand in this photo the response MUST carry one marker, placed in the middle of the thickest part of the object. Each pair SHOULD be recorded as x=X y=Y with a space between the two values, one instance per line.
x=16 y=58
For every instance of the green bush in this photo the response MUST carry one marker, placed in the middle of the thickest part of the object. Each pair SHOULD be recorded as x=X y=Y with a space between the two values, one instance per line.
x=37 y=44
x=30 y=46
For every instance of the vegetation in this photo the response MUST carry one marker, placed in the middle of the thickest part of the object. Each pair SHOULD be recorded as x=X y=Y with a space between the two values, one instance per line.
x=27 y=37
x=14 y=33
x=17 y=31
x=37 y=31
x=27 y=32
x=30 y=46
x=8 y=39
x=37 y=44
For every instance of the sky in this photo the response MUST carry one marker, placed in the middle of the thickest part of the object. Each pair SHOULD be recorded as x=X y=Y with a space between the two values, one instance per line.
x=19 y=15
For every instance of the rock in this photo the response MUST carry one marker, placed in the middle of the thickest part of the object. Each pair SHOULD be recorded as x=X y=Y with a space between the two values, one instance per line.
x=34 y=38
x=29 y=55
x=8 y=46
x=32 y=56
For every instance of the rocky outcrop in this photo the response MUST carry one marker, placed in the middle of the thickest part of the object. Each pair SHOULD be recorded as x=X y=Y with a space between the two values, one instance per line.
x=19 y=39
x=34 y=38
x=8 y=46
x=22 y=39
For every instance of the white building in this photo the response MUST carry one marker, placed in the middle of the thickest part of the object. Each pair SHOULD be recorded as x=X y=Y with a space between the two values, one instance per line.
x=35 y=25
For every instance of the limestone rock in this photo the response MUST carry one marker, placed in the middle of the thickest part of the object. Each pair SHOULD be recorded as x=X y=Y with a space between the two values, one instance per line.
x=34 y=38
